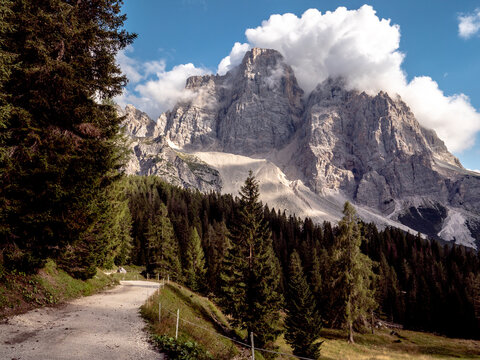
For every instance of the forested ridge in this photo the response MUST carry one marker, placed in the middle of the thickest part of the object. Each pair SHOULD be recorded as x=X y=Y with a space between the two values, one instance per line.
x=419 y=283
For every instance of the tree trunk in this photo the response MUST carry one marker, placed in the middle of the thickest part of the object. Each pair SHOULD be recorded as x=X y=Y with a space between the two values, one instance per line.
x=350 y=333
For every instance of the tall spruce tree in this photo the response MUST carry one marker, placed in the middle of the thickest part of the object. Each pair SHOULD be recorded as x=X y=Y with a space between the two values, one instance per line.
x=303 y=322
x=195 y=270
x=353 y=272
x=62 y=144
x=163 y=255
x=218 y=241
x=251 y=272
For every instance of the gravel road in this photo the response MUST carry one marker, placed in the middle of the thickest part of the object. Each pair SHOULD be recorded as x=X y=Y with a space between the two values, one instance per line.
x=103 y=326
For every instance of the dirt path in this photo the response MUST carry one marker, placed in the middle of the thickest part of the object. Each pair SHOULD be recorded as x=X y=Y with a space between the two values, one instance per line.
x=103 y=326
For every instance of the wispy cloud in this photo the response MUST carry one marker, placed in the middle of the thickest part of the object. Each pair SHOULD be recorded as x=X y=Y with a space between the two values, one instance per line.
x=153 y=88
x=469 y=24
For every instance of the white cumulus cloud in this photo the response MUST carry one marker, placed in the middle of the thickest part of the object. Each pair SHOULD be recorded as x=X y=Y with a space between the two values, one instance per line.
x=356 y=45
x=232 y=60
x=453 y=118
x=469 y=24
x=364 y=50
x=156 y=89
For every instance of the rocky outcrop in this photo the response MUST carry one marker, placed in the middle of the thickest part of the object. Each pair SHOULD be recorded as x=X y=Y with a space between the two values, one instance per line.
x=368 y=149
x=136 y=122
x=152 y=155
x=253 y=109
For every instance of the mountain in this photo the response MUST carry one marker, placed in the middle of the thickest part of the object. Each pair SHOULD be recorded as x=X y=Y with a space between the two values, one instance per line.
x=310 y=153
x=152 y=155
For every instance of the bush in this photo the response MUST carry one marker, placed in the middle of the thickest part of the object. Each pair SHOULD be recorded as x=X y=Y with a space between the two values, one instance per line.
x=179 y=349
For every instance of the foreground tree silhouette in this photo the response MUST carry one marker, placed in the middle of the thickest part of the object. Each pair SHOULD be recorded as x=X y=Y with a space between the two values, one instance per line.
x=353 y=272
x=251 y=275
x=303 y=323
x=60 y=137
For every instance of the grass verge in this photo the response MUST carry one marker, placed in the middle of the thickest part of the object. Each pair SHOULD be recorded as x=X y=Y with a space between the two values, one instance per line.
x=20 y=293
x=194 y=309
x=210 y=323
x=405 y=345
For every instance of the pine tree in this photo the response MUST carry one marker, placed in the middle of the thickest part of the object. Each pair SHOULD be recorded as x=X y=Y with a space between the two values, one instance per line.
x=217 y=240
x=62 y=142
x=303 y=323
x=353 y=280
x=315 y=274
x=251 y=273
x=117 y=227
x=195 y=270
x=163 y=256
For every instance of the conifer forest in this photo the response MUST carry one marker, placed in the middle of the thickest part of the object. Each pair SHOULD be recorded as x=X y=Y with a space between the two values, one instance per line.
x=64 y=197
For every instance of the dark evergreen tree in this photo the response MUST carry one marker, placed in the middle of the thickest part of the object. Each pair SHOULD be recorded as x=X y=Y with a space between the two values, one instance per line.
x=62 y=142
x=303 y=322
x=117 y=228
x=315 y=274
x=195 y=270
x=217 y=243
x=163 y=256
x=251 y=273
x=353 y=272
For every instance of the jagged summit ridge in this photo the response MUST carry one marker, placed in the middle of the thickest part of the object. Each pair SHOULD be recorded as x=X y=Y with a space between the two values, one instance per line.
x=225 y=113
x=367 y=149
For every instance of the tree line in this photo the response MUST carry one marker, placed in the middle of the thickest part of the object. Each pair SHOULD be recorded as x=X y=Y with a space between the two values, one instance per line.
x=343 y=275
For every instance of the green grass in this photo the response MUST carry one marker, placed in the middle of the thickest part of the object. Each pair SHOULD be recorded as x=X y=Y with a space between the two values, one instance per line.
x=62 y=286
x=407 y=345
x=133 y=273
x=195 y=309
x=20 y=292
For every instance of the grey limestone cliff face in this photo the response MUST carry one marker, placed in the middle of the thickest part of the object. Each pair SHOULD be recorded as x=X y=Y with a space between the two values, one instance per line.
x=369 y=148
x=253 y=109
x=136 y=122
x=151 y=155
x=373 y=150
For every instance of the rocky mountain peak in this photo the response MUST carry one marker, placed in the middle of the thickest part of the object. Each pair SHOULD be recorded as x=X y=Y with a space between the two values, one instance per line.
x=253 y=109
x=195 y=82
x=369 y=149
x=258 y=60
x=137 y=123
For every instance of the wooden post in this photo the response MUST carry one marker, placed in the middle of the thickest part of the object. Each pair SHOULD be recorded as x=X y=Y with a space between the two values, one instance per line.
x=159 y=311
x=178 y=318
x=168 y=278
x=158 y=277
x=253 y=346
x=373 y=323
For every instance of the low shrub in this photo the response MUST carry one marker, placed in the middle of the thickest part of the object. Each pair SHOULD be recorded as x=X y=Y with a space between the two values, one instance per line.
x=180 y=349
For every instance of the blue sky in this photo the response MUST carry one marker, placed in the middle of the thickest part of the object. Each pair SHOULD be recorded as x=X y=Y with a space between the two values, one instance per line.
x=202 y=32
